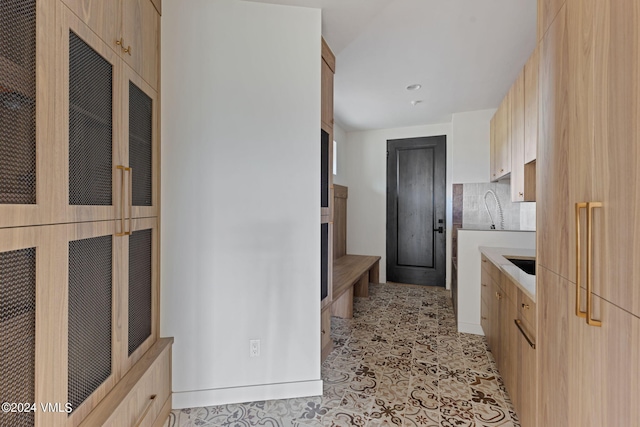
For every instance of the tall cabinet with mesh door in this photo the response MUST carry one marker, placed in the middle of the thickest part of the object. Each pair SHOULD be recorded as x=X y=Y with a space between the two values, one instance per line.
x=79 y=200
x=113 y=168
x=328 y=64
x=29 y=184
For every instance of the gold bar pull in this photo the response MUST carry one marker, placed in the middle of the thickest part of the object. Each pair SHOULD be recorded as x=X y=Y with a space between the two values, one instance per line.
x=579 y=312
x=590 y=207
x=123 y=232
x=526 y=337
x=130 y=170
x=122 y=225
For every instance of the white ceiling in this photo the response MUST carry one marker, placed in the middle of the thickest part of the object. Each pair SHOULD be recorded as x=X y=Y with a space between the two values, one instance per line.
x=464 y=53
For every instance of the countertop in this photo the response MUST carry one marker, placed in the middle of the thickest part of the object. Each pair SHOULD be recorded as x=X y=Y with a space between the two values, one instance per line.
x=526 y=282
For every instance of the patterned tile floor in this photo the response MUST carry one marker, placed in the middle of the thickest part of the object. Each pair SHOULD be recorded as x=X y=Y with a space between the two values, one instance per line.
x=398 y=362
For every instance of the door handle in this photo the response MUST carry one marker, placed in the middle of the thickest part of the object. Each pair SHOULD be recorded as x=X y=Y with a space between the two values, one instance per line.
x=439 y=229
x=590 y=206
x=579 y=312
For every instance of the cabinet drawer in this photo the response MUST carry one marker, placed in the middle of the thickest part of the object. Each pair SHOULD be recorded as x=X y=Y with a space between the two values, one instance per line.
x=325 y=334
x=509 y=288
x=486 y=286
x=490 y=267
x=141 y=395
x=526 y=309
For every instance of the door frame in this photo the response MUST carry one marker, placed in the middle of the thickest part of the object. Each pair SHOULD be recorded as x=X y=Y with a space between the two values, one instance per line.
x=441 y=258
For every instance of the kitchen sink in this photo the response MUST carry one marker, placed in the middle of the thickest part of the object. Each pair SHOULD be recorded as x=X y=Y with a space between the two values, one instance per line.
x=526 y=265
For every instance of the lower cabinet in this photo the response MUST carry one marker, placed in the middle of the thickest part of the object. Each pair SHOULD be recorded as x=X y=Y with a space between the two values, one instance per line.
x=508 y=321
x=143 y=396
x=79 y=321
x=326 y=343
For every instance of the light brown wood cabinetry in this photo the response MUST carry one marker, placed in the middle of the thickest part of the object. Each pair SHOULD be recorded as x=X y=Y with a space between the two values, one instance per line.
x=131 y=28
x=517 y=138
x=327 y=206
x=554 y=220
x=141 y=34
x=531 y=107
x=501 y=148
x=325 y=333
x=511 y=337
x=589 y=304
x=547 y=12
x=79 y=228
x=127 y=113
x=28 y=179
x=588 y=375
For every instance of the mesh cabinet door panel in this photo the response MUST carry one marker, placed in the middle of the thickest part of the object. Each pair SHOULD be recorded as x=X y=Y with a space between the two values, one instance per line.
x=17 y=333
x=140 y=145
x=90 y=299
x=17 y=102
x=90 y=125
x=140 y=285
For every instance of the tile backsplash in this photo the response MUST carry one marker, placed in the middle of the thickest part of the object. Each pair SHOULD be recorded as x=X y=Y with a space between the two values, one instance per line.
x=517 y=216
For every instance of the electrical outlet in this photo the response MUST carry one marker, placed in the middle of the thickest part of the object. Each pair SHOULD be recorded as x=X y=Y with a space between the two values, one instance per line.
x=254 y=348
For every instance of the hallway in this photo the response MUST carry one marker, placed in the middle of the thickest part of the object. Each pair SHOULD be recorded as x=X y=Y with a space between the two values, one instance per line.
x=398 y=362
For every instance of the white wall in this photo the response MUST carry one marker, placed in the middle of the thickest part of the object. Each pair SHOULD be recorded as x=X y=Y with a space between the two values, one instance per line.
x=367 y=178
x=471 y=149
x=240 y=238
x=340 y=137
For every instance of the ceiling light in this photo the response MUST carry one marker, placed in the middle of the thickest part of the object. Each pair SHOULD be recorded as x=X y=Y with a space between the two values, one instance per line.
x=416 y=102
x=414 y=87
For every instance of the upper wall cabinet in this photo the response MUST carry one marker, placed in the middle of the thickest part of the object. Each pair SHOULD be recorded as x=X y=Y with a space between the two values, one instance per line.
x=141 y=35
x=328 y=69
x=130 y=27
x=27 y=175
x=517 y=139
x=501 y=146
x=531 y=107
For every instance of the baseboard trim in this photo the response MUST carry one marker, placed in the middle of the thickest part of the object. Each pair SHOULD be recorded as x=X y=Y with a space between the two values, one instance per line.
x=470 y=328
x=229 y=395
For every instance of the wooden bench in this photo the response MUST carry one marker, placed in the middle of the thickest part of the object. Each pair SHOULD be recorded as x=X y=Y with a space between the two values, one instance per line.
x=351 y=277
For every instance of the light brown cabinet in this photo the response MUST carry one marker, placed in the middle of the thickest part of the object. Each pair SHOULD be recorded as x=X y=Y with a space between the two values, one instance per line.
x=327 y=196
x=79 y=233
x=110 y=132
x=531 y=107
x=501 y=146
x=517 y=138
x=131 y=28
x=506 y=313
x=589 y=304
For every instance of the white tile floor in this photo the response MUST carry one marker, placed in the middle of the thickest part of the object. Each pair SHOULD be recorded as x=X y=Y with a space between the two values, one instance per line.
x=398 y=362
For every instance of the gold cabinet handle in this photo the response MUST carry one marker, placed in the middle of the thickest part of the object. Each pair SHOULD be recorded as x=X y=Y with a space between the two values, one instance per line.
x=130 y=170
x=501 y=170
x=124 y=169
x=590 y=207
x=152 y=399
x=579 y=312
x=526 y=306
x=521 y=194
x=121 y=44
x=519 y=325
x=498 y=295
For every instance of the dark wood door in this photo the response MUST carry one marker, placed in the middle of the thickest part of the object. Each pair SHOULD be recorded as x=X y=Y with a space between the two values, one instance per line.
x=416 y=182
